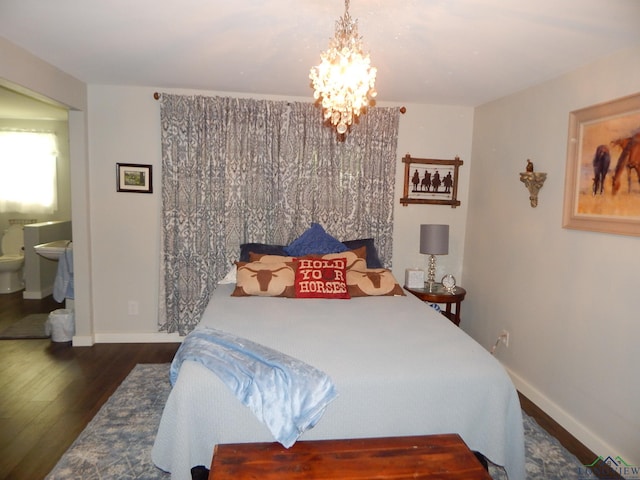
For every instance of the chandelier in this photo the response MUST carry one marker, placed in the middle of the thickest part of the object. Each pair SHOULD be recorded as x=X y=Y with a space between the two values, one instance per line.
x=343 y=83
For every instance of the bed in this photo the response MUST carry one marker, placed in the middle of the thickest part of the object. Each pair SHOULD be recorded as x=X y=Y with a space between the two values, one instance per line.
x=400 y=368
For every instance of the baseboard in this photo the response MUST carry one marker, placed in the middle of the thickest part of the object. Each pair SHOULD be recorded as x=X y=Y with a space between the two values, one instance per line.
x=562 y=417
x=82 y=341
x=138 y=338
x=90 y=340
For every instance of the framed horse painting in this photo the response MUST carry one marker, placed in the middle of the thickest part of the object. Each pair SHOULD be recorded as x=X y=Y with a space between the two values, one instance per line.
x=431 y=181
x=602 y=180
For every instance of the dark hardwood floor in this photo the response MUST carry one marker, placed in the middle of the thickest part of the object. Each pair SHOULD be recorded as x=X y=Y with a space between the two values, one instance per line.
x=50 y=391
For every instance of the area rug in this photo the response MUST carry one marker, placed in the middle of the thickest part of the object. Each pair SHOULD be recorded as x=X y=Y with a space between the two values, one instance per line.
x=31 y=326
x=117 y=443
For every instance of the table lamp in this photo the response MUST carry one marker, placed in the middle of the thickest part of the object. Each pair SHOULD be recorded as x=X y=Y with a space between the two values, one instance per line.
x=434 y=240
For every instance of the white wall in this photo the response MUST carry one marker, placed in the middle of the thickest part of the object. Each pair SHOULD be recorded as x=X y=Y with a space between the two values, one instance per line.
x=125 y=127
x=437 y=132
x=569 y=298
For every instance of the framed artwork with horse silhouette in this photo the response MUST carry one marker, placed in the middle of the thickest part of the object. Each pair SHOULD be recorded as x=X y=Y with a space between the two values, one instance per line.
x=602 y=179
x=430 y=181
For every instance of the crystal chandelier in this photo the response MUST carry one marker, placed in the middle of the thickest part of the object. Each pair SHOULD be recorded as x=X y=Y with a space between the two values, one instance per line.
x=344 y=81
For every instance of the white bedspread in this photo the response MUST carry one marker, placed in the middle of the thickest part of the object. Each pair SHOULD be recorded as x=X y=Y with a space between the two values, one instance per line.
x=400 y=368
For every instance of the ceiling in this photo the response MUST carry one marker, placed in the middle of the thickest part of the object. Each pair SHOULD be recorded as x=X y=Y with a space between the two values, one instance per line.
x=451 y=52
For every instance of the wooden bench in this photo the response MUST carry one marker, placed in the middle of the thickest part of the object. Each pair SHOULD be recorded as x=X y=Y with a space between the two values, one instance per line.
x=444 y=457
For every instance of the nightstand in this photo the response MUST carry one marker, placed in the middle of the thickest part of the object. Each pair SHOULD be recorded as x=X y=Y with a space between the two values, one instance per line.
x=438 y=294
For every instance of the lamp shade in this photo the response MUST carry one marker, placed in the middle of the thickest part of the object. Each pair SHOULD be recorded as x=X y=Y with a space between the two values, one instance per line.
x=434 y=239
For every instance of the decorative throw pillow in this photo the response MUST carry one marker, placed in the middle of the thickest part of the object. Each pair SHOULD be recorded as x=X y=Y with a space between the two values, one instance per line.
x=372 y=281
x=230 y=277
x=268 y=258
x=355 y=258
x=263 y=248
x=314 y=241
x=265 y=279
x=321 y=278
x=373 y=261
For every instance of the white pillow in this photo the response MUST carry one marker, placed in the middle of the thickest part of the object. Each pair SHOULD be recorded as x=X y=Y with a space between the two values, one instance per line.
x=229 y=277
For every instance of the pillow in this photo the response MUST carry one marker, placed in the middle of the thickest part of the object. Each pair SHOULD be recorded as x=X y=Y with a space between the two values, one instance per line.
x=230 y=277
x=372 y=253
x=268 y=258
x=321 y=278
x=266 y=248
x=355 y=258
x=372 y=282
x=314 y=241
x=265 y=279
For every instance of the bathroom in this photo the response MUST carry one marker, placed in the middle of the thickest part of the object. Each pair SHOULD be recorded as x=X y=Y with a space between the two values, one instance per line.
x=22 y=113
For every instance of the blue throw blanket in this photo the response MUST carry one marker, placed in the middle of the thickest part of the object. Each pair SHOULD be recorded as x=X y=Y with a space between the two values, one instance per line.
x=284 y=393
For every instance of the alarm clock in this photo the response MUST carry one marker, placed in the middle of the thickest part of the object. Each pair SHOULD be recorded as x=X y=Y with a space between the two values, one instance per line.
x=414 y=278
x=449 y=283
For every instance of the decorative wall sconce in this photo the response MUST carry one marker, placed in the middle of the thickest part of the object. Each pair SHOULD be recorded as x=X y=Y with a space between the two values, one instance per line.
x=533 y=181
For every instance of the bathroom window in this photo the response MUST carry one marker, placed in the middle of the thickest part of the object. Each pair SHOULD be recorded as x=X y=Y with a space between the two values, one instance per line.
x=28 y=182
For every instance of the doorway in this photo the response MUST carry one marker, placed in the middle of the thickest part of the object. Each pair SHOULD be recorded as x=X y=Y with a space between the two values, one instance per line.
x=21 y=111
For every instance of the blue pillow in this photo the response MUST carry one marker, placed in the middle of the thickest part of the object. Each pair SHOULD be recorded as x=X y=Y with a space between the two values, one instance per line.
x=314 y=240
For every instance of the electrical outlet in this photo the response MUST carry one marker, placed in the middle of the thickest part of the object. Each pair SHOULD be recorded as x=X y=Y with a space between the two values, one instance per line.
x=133 y=307
x=504 y=337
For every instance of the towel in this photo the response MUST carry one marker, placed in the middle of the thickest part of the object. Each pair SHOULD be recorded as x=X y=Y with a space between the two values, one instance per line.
x=63 y=283
x=286 y=394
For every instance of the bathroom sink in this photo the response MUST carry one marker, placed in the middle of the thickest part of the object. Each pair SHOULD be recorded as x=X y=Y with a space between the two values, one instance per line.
x=53 y=250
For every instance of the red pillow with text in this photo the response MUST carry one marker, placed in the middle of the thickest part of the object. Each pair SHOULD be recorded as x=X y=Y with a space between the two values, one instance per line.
x=321 y=278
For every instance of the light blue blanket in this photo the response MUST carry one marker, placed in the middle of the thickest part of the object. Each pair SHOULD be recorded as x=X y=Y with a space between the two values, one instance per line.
x=286 y=394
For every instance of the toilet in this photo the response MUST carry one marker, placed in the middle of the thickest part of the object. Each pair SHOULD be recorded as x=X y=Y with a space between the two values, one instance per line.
x=12 y=260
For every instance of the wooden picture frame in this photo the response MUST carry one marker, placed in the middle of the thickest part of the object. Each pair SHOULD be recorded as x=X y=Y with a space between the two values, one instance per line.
x=602 y=178
x=134 y=177
x=430 y=181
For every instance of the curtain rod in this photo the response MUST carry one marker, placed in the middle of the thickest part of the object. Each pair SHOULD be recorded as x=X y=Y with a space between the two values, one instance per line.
x=157 y=96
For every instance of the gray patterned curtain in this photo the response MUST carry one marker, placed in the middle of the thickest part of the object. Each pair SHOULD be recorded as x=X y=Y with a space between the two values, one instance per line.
x=241 y=170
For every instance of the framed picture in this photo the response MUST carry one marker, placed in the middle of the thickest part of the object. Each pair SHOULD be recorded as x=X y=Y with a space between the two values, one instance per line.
x=132 y=177
x=430 y=181
x=602 y=179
